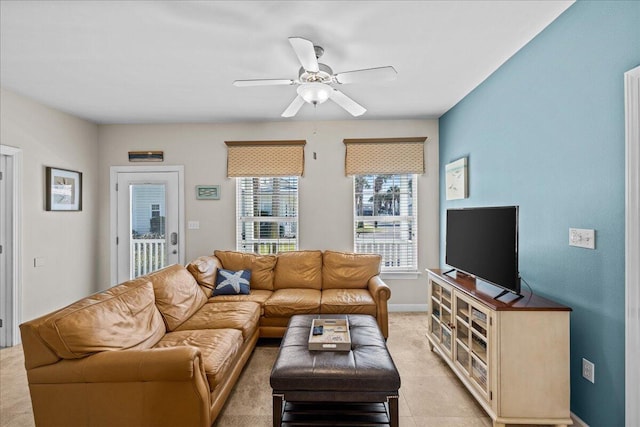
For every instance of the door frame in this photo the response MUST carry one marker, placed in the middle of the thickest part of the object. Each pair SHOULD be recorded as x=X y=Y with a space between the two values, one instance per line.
x=16 y=250
x=113 y=230
x=632 y=245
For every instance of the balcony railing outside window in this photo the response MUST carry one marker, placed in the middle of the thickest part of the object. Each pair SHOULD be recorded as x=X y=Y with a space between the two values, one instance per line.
x=147 y=256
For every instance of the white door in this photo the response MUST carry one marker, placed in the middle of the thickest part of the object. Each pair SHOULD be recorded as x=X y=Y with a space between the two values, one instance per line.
x=6 y=274
x=632 y=245
x=148 y=222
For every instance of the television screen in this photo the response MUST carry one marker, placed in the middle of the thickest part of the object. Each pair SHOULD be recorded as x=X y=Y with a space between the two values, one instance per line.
x=483 y=242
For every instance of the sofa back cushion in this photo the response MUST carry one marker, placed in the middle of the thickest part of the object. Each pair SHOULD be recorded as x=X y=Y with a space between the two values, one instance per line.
x=342 y=270
x=298 y=269
x=261 y=266
x=178 y=295
x=205 y=270
x=123 y=317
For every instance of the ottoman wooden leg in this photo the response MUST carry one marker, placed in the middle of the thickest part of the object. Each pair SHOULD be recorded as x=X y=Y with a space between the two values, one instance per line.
x=278 y=400
x=393 y=411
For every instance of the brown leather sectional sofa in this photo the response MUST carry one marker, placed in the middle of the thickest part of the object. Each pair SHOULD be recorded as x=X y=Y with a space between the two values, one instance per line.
x=302 y=282
x=159 y=350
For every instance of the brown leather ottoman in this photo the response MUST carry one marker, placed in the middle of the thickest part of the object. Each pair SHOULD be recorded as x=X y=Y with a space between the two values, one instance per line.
x=325 y=387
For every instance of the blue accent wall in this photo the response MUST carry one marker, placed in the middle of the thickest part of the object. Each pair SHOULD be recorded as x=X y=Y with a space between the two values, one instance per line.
x=546 y=132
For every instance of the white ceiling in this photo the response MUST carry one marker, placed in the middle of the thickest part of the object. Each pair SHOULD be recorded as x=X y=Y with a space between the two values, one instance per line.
x=170 y=61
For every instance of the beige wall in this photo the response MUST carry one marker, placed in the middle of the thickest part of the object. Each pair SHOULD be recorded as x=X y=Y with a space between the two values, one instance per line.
x=325 y=193
x=75 y=245
x=65 y=240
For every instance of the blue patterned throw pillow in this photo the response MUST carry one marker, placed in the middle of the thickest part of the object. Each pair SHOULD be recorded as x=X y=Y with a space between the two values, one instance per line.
x=229 y=282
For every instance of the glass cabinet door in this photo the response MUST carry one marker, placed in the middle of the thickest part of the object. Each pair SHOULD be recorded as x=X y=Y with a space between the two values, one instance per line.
x=479 y=338
x=471 y=339
x=462 y=357
x=440 y=324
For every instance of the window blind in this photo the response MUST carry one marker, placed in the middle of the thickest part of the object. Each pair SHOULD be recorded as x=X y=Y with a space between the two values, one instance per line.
x=267 y=214
x=384 y=156
x=265 y=158
x=386 y=219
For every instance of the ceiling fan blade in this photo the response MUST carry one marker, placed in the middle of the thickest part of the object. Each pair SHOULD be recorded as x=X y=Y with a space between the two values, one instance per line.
x=369 y=75
x=294 y=107
x=263 y=82
x=306 y=53
x=347 y=103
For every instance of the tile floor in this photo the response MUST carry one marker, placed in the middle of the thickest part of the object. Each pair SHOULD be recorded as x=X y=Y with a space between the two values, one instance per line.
x=430 y=395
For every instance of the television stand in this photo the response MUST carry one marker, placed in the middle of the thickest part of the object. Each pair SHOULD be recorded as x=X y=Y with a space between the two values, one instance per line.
x=505 y=292
x=513 y=357
x=459 y=274
x=451 y=270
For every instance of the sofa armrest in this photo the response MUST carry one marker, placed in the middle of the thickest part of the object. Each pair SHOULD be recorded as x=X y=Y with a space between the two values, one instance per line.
x=162 y=364
x=381 y=294
x=159 y=387
x=379 y=289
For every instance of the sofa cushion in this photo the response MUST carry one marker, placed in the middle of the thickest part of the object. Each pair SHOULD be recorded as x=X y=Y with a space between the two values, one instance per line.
x=242 y=316
x=256 y=295
x=123 y=317
x=298 y=269
x=342 y=270
x=347 y=301
x=204 y=269
x=261 y=266
x=229 y=282
x=178 y=295
x=219 y=348
x=287 y=302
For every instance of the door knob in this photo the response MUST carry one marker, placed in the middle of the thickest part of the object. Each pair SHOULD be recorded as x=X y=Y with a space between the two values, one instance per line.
x=174 y=239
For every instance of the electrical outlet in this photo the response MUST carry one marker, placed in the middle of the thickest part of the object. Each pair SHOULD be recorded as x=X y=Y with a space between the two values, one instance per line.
x=582 y=238
x=588 y=370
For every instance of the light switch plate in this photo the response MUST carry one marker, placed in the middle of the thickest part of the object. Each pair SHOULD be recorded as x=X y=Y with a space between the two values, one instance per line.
x=193 y=225
x=582 y=238
x=38 y=262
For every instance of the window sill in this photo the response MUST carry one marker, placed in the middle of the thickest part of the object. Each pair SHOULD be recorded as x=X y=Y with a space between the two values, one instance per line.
x=400 y=275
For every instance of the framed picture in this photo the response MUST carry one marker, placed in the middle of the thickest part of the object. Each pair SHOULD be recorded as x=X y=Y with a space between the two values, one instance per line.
x=146 y=156
x=208 y=192
x=457 y=185
x=63 y=190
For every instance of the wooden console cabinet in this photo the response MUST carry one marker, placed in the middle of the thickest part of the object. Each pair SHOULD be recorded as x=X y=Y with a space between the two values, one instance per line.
x=512 y=354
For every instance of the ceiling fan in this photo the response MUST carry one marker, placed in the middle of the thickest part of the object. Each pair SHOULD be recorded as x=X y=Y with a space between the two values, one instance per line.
x=315 y=80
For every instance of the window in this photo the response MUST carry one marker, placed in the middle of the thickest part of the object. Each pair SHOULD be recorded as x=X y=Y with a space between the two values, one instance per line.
x=155 y=210
x=385 y=219
x=267 y=214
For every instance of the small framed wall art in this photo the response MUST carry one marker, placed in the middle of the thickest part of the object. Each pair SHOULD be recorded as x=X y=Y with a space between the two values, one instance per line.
x=456 y=180
x=208 y=192
x=146 y=156
x=63 y=190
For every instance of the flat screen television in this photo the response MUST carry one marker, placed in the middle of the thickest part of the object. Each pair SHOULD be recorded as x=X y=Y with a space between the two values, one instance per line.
x=483 y=242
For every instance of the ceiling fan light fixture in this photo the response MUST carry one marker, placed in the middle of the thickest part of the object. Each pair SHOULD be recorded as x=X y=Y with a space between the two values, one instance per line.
x=314 y=93
x=317 y=82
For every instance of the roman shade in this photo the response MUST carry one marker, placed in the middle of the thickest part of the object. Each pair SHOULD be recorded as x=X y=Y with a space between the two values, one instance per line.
x=265 y=158
x=384 y=156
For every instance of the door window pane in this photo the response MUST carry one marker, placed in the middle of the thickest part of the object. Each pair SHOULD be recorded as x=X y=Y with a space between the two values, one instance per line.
x=148 y=228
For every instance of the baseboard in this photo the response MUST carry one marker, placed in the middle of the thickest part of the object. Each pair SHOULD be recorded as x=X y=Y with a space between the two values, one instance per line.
x=406 y=307
x=577 y=422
